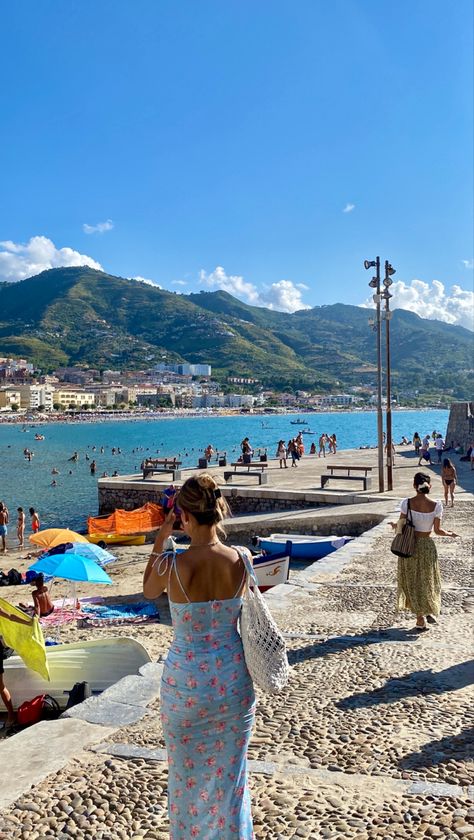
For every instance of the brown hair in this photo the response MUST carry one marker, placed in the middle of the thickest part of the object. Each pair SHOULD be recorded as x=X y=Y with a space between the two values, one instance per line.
x=201 y=496
x=422 y=482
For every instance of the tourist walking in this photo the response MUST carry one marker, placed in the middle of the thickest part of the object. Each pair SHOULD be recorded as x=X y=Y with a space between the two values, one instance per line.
x=419 y=582
x=281 y=454
x=35 y=521
x=417 y=443
x=207 y=695
x=292 y=450
x=424 y=454
x=449 y=477
x=439 y=446
x=247 y=450
x=20 y=527
x=4 y=517
x=322 y=445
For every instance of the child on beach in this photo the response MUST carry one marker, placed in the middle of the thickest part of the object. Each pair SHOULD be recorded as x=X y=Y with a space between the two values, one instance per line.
x=43 y=604
x=20 y=527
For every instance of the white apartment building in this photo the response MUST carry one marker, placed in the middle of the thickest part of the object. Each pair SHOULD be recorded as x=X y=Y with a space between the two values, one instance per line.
x=34 y=396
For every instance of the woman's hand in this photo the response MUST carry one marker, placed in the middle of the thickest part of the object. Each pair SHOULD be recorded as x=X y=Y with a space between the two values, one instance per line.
x=166 y=528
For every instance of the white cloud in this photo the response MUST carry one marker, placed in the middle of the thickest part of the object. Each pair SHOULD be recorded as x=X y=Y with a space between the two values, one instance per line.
x=100 y=227
x=348 y=208
x=468 y=263
x=179 y=283
x=433 y=301
x=18 y=260
x=146 y=280
x=284 y=296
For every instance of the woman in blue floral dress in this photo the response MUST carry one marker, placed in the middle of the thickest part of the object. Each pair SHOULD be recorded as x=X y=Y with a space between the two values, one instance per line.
x=207 y=695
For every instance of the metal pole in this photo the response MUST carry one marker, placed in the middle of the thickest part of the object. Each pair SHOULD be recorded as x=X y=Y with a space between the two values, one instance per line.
x=379 y=380
x=389 y=397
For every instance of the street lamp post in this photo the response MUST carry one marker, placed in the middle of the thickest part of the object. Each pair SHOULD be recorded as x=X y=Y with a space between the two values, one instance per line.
x=375 y=284
x=389 y=270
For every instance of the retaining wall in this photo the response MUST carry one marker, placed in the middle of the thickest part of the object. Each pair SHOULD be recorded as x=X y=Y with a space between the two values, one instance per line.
x=461 y=425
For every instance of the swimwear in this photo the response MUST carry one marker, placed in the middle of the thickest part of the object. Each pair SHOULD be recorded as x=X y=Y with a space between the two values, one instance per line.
x=448 y=481
x=3 y=530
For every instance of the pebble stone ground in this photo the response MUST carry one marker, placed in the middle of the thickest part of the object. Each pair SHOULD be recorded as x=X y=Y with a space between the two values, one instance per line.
x=376 y=718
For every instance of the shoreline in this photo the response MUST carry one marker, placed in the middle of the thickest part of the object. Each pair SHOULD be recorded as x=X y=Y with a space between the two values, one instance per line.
x=179 y=414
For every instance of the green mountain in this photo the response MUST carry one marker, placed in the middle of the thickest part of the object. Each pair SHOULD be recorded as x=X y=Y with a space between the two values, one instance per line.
x=83 y=316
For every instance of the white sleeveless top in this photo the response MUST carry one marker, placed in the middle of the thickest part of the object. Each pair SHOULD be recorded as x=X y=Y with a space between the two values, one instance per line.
x=423 y=521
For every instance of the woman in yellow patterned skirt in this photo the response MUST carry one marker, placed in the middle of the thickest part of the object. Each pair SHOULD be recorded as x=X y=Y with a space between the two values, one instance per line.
x=419 y=582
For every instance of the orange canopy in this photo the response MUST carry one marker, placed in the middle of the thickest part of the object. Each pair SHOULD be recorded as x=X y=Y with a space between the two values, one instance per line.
x=145 y=518
x=51 y=537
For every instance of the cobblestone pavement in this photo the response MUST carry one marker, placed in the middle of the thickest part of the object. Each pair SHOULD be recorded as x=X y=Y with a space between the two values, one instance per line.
x=370 y=739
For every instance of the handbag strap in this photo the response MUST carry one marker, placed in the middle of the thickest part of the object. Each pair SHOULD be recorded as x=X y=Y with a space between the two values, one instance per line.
x=242 y=552
x=409 y=514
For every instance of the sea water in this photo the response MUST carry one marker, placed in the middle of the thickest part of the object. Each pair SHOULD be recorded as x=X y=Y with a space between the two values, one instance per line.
x=28 y=483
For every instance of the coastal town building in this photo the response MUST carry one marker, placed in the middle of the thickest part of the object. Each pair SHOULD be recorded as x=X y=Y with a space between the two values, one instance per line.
x=36 y=395
x=69 y=398
x=9 y=398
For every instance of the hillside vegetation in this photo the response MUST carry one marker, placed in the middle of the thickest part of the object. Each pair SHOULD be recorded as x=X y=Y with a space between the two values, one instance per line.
x=82 y=316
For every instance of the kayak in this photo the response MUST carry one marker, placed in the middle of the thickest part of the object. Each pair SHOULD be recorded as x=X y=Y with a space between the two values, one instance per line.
x=100 y=662
x=304 y=547
x=116 y=539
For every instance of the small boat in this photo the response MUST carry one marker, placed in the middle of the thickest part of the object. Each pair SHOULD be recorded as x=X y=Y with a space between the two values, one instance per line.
x=307 y=432
x=100 y=662
x=303 y=547
x=298 y=422
x=116 y=539
x=269 y=569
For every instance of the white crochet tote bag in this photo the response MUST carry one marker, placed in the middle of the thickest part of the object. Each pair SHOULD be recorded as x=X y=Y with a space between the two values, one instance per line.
x=263 y=643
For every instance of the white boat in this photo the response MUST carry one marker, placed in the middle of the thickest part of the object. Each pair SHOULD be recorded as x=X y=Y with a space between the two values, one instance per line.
x=271 y=569
x=100 y=662
x=303 y=547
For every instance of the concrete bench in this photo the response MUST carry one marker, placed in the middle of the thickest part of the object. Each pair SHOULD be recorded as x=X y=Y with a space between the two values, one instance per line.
x=162 y=465
x=255 y=465
x=262 y=476
x=348 y=468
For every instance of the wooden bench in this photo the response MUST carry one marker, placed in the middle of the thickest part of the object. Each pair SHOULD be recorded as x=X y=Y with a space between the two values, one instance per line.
x=162 y=465
x=262 y=476
x=255 y=465
x=366 y=479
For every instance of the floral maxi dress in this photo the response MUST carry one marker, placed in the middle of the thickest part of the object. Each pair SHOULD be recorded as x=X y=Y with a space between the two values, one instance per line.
x=207 y=712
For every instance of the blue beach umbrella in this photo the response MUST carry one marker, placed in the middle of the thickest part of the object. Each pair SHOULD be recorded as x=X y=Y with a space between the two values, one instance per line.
x=71 y=567
x=93 y=552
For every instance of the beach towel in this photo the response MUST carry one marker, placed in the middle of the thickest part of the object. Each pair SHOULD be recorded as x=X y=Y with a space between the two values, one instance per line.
x=61 y=616
x=97 y=615
x=26 y=640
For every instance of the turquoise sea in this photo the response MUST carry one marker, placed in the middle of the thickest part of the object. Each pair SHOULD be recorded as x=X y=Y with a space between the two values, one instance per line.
x=29 y=483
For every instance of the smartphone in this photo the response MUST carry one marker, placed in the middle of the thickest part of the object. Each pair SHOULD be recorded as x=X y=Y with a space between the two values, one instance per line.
x=177 y=525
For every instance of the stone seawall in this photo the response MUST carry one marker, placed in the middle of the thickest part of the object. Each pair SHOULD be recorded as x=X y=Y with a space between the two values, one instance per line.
x=461 y=425
x=131 y=493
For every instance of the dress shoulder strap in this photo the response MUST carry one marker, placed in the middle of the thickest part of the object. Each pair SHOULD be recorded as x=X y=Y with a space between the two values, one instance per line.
x=173 y=567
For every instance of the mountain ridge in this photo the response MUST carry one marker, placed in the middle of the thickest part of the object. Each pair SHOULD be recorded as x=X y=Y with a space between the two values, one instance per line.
x=79 y=315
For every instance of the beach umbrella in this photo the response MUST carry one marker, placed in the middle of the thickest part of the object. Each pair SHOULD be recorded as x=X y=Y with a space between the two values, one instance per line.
x=55 y=536
x=71 y=567
x=93 y=552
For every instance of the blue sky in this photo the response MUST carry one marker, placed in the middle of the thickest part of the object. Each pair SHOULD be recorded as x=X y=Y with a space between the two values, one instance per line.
x=219 y=143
